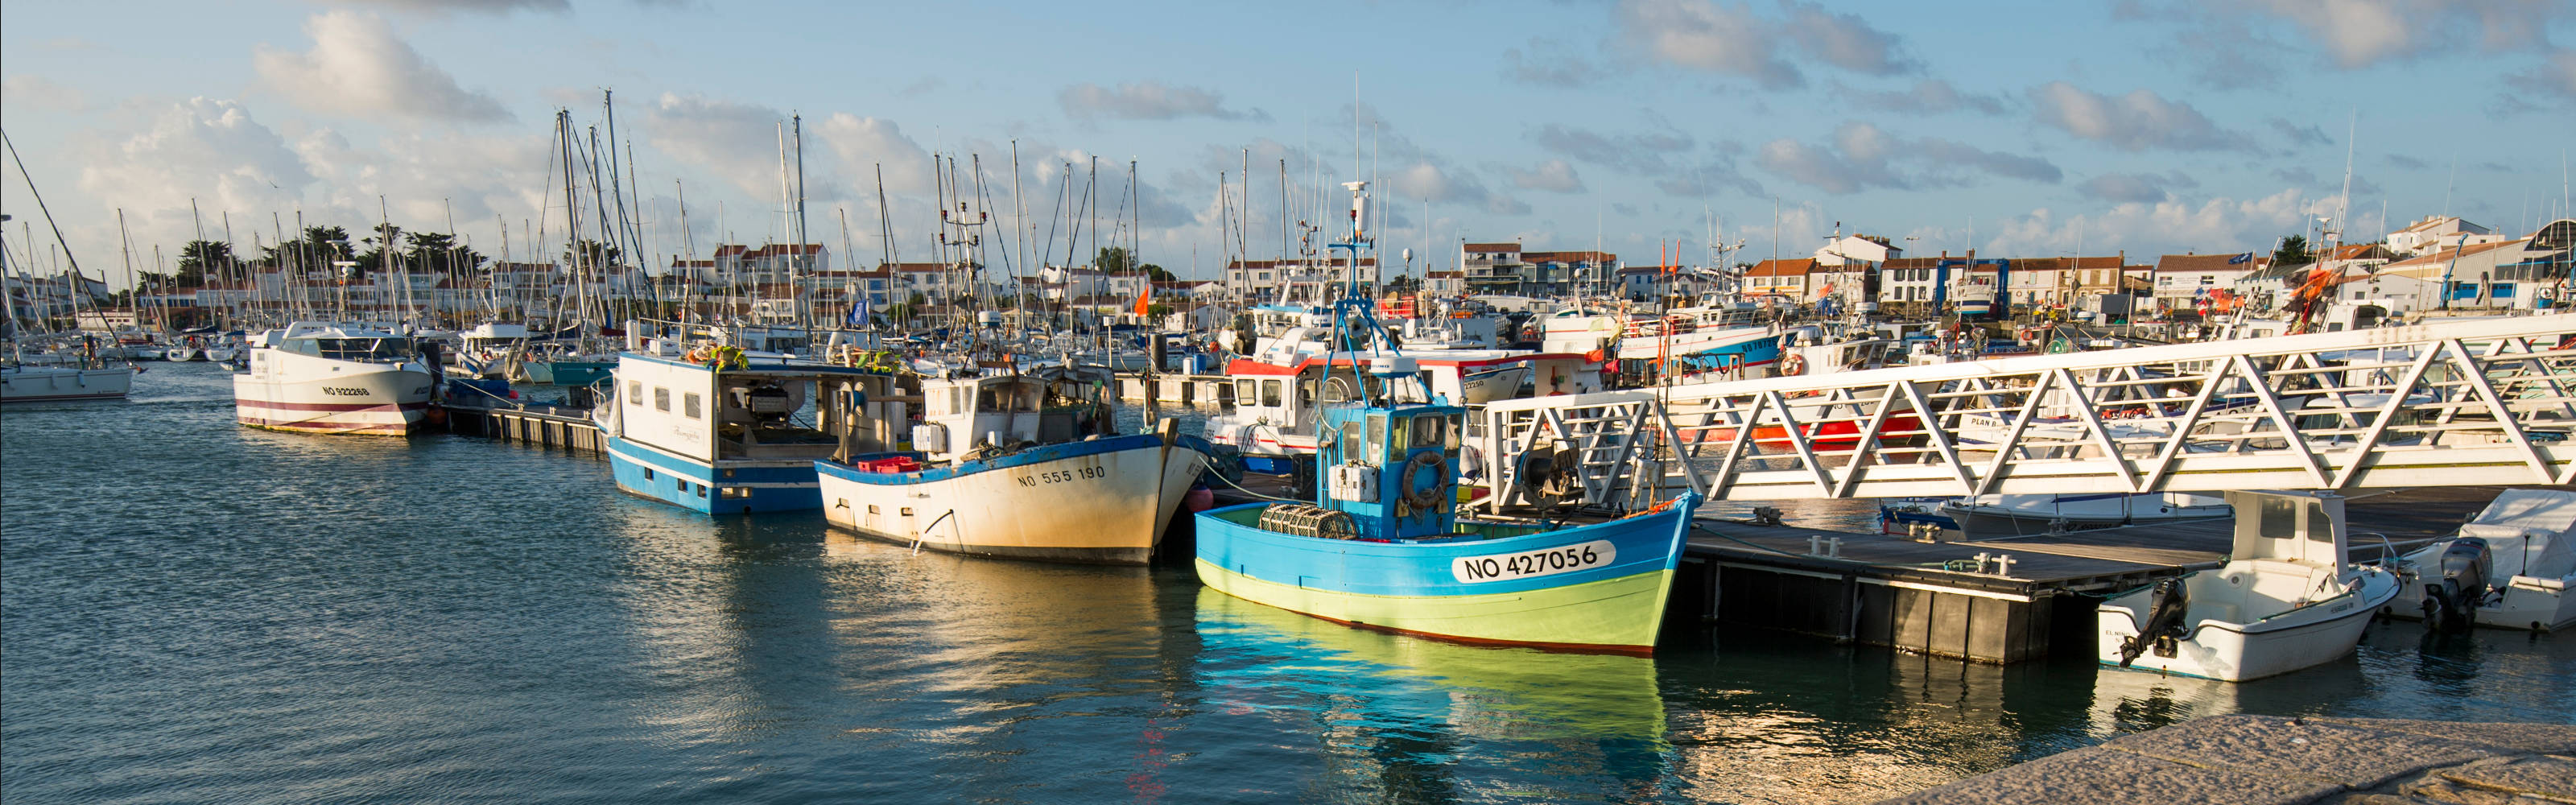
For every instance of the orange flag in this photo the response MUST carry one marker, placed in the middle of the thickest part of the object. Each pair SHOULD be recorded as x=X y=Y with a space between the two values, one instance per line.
x=1142 y=297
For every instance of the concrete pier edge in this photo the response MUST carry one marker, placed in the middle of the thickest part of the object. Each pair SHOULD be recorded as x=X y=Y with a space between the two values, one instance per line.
x=2274 y=760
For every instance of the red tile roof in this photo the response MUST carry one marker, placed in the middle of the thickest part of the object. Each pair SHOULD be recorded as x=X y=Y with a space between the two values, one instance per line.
x=1491 y=247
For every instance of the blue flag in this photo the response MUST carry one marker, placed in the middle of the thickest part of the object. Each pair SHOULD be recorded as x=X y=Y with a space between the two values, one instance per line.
x=2247 y=257
x=858 y=311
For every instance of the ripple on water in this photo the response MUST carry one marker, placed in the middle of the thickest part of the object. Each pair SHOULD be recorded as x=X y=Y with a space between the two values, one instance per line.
x=198 y=612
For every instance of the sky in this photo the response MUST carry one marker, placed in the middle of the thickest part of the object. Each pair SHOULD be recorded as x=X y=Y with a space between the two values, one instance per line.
x=2142 y=127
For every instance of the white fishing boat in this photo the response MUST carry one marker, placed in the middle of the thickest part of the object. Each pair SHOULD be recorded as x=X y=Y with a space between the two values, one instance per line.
x=721 y=432
x=312 y=377
x=1022 y=466
x=2509 y=567
x=1985 y=516
x=1276 y=400
x=2288 y=598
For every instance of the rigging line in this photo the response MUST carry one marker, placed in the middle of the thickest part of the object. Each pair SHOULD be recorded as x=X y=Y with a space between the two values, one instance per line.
x=40 y=203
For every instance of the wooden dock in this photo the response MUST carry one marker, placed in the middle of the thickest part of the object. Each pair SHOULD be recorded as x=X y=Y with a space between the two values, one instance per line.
x=544 y=426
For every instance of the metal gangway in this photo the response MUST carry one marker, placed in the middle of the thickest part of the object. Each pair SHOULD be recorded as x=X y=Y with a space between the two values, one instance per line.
x=2448 y=403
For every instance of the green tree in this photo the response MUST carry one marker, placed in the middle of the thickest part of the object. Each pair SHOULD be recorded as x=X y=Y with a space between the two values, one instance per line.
x=593 y=255
x=1159 y=274
x=1114 y=260
x=437 y=251
x=2293 y=251
x=201 y=257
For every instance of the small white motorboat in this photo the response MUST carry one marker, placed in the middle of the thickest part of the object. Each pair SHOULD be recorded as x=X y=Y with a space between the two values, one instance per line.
x=2288 y=598
x=2508 y=567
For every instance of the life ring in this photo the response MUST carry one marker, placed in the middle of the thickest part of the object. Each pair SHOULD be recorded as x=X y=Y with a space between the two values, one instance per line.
x=2028 y=334
x=1425 y=498
x=1793 y=365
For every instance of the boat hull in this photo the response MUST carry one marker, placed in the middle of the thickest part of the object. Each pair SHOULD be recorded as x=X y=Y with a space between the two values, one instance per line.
x=2239 y=652
x=46 y=384
x=359 y=399
x=1434 y=588
x=724 y=487
x=1103 y=501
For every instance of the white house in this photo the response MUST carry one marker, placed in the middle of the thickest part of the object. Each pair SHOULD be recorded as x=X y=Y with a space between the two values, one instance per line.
x=2439 y=231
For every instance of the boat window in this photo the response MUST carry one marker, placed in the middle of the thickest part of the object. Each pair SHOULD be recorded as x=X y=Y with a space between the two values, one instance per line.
x=661 y=399
x=1397 y=438
x=1351 y=447
x=1429 y=430
x=634 y=392
x=1244 y=390
x=1376 y=435
x=1456 y=424
x=1270 y=393
x=689 y=405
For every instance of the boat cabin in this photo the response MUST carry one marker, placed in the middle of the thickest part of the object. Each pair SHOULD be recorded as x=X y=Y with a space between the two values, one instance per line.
x=1393 y=468
x=966 y=416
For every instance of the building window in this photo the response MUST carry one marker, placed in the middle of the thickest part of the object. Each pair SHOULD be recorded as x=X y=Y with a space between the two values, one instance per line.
x=661 y=399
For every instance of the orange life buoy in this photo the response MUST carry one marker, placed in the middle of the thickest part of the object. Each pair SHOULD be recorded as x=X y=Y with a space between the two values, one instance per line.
x=1793 y=365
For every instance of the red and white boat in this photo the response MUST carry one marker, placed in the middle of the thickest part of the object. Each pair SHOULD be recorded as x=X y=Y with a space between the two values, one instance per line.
x=331 y=378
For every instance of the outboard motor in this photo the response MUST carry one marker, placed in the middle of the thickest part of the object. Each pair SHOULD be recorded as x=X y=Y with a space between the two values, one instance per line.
x=2164 y=624
x=2452 y=602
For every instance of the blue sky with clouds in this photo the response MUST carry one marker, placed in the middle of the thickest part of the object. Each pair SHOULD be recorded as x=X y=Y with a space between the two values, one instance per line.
x=2145 y=126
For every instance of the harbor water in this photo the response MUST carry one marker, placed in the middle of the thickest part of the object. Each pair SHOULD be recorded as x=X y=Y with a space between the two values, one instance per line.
x=197 y=612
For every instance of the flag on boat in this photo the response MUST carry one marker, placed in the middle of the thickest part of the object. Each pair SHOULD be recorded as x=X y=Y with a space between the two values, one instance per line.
x=858 y=311
x=1144 y=296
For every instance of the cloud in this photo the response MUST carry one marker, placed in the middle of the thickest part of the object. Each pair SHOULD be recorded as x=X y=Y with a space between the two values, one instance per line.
x=1148 y=100
x=35 y=91
x=2554 y=76
x=2136 y=187
x=1927 y=97
x=1631 y=153
x=1864 y=156
x=358 y=67
x=1554 y=176
x=735 y=141
x=2359 y=33
x=211 y=151
x=1706 y=179
x=481 y=6
x=2138 y=121
x=2299 y=135
x=1544 y=63
x=864 y=143
x=1846 y=41
x=1734 y=40
x=2407 y=162
x=1703 y=35
x=2216 y=226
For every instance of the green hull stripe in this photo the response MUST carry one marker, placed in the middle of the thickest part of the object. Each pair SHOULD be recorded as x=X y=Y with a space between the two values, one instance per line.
x=1621 y=612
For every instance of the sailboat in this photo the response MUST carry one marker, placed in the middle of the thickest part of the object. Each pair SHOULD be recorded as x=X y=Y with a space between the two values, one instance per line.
x=84 y=376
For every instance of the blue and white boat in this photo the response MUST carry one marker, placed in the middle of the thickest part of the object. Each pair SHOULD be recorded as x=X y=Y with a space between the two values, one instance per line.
x=1024 y=465
x=1382 y=547
x=722 y=433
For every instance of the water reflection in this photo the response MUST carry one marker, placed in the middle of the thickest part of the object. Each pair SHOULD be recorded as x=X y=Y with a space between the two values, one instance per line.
x=1412 y=720
x=2127 y=700
x=1857 y=724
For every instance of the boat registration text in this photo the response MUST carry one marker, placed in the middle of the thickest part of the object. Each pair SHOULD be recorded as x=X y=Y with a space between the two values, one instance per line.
x=1543 y=562
x=1061 y=476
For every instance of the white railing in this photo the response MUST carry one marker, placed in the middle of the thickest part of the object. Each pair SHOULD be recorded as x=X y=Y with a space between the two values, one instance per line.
x=2474 y=402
